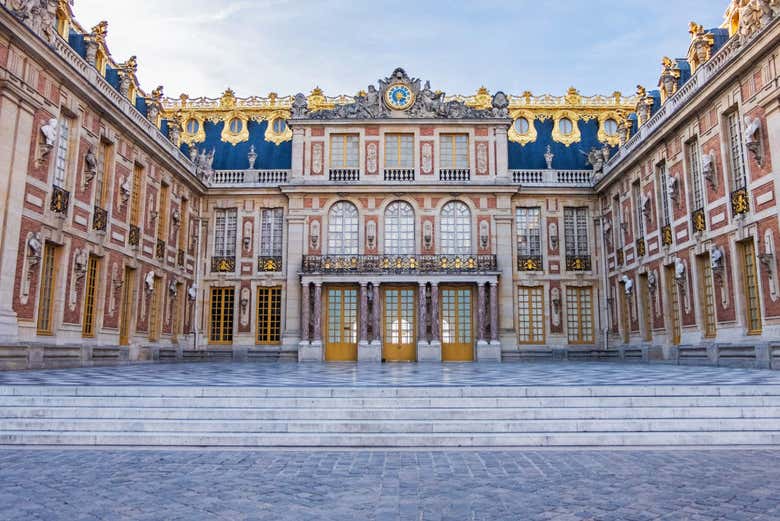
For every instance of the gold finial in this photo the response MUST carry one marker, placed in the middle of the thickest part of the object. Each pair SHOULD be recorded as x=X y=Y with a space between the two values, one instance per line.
x=100 y=30
x=272 y=97
x=157 y=93
x=641 y=91
x=573 y=96
x=131 y=65
x=527 y=95
x=667 y=62
x=361 y=94
x=695 y=30
x=617 y=95
x=183 y=98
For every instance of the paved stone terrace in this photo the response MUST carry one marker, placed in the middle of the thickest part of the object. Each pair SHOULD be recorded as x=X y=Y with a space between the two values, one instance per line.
x=382 y=486
x=393 y=375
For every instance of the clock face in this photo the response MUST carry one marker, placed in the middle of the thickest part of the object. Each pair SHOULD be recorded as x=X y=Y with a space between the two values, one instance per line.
x=399 y=97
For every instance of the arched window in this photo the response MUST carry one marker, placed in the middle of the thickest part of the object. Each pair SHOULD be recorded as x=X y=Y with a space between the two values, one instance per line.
x=343 y=229
x=399 y=229
x=455 y=229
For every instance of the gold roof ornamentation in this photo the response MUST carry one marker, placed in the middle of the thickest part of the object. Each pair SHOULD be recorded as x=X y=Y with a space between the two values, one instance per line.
x=700 y=50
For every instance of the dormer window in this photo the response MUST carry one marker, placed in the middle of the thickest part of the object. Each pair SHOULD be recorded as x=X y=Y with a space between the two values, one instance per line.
x=279 y=126
x=192 y=126
x=236 y=125
x=610 y=127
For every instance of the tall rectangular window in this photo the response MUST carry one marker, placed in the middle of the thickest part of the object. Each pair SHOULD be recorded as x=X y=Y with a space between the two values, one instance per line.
x=736 y=156
x=662 y=181
x=46 y=297
x=62 y=156
x=271 y=229
x=636 y=199
x=750 y=287
x=579 y=315
x=269 y=315
x=399 y=151
x=162 y=218
x=221 y=316
x=225 y=226
x=183 y=225
x=617 y=216
x=529 y=232
x=693 y=158
x=344 y=151
x=155 y=312
x=707 y=295
x=90 y=298
x=454 y=151
x=575 y=223
x=103 y=175
x=128 y=297
x=530 y=315
x=135 y=196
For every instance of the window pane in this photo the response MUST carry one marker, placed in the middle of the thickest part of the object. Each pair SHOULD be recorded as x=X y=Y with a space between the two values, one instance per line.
x=529 y=239
x=399 y=151
x=456 y=229
x=399 y=229
x=343 y=229
x=453 y=151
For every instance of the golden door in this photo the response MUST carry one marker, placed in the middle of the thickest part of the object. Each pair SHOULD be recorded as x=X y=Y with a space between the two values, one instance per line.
x=457 y=321
x=400 y=324
x=341 y=324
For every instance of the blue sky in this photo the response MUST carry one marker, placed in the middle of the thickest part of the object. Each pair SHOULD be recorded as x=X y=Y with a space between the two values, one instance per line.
x=203 y=46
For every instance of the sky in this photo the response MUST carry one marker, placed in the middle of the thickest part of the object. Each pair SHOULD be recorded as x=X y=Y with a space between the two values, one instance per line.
x=202 y=47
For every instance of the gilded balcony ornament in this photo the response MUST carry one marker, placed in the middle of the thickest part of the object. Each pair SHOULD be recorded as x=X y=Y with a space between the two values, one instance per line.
x=482 y=100
x=317 y=101
x=739 y=202
x=700 y=50
x=669 y=81
x=699 y=221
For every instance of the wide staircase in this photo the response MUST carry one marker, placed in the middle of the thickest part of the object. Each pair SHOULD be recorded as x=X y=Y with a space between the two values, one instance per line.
x=604 y=416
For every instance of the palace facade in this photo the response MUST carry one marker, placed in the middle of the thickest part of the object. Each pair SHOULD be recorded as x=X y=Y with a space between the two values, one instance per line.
x=396 y=224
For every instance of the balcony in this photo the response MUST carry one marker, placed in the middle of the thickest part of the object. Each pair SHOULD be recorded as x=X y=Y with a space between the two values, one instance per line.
x=269 y=264
x=223 y=264
x=699 y=221
x=399 y=174
x=578 y=263
x=344 y=175
x=393 y=264
x=450 y=175
x=99 y=219
x=553 y=178
x=740 y=204
x=60 y=200
x=529 y=263
x=134 y=236
x=248 y=178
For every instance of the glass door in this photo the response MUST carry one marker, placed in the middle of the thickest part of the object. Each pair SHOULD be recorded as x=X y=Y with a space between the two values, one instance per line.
x=457 y=337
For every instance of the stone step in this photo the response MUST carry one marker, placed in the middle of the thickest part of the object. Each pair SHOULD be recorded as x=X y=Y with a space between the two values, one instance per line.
x=386 y=403
x=390 y=392
x=476 y=427
x=600 y=439
x=451 y=413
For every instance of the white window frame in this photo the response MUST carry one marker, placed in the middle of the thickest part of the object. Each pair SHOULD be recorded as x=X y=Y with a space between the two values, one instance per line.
x=271 y=232
x=529 y=231
x=575 y=224
x=456 y=229
x=399 y=228
x=225 y=232
x=343 y=229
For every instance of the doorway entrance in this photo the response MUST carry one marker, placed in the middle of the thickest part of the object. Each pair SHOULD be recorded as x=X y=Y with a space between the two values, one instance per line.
x=341 y=324
x=400 y=324
x=457 y=320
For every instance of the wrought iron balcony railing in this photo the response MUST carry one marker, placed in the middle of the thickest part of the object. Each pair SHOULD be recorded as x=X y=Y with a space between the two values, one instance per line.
x=399 y=174
x=698 y=220
x=740 y=204
x=454 y=174
x=578 y=263
x=269 y=264
x=99 y=219
x=344 y=175
x=223 y=264
x=134 y=236
x=529 y=263
x=60 y=200
x=405 y=264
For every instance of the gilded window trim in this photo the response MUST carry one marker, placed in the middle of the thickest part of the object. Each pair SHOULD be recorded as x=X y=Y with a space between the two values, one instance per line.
x=530 y=136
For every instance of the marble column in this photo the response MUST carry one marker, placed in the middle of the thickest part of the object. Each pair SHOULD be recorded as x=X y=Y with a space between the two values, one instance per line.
x=435 y=331
x=494 y=312
x=377 y=315
x=481 y=312
x=422 y=314
x=364 y=317
x=318 y=312
x=305 y=307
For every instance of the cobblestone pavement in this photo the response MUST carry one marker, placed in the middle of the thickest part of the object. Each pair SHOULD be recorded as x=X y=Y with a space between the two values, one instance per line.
x=401 y=375
x=672 y=485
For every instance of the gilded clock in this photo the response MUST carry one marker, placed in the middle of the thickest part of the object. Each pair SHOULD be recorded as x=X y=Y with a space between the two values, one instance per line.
x=399 y=96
